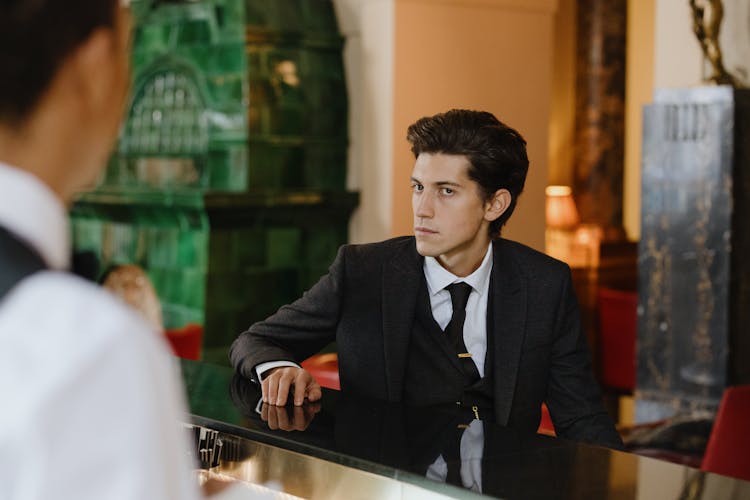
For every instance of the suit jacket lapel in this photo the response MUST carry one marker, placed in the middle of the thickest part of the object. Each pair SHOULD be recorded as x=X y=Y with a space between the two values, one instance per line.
x=401 y=279
x=509 y=318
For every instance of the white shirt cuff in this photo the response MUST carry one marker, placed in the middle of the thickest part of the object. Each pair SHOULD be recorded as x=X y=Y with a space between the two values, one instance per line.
x=261 y=368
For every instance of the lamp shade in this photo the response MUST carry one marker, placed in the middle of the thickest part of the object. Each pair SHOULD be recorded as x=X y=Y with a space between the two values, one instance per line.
x=560 y=208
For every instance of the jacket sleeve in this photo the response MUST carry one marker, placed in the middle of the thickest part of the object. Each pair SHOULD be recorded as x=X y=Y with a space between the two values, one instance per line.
x=573 y=395
x=297 y=330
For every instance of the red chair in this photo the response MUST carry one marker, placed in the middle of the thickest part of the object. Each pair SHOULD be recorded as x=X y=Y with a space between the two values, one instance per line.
x=186 y=342
x=728 y=449
x=545 y=423
x=325 y=369
x=617 y=327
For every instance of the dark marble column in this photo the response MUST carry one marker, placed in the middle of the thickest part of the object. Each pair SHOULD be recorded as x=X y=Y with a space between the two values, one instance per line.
x=694 y=274
x=600 y=114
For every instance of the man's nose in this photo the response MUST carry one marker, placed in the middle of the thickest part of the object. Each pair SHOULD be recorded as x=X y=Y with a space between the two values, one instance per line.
x=423 y=205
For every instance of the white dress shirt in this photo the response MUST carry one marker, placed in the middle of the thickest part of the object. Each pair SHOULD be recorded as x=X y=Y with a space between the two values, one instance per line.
x=91 y=397
x=475 y=325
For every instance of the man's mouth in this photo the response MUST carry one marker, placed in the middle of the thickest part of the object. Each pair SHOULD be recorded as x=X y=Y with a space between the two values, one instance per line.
x=420 y=230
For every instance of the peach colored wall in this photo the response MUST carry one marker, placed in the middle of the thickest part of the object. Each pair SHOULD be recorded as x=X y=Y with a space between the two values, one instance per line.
x=494 y=55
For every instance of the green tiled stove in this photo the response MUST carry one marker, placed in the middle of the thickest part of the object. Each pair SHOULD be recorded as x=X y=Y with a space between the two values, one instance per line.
x=228 y=184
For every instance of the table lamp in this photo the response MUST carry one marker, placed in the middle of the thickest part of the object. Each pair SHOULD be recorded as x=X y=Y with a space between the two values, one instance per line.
x=562 y=219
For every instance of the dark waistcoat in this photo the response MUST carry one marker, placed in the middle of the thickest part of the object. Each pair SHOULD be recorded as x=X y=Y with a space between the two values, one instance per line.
x=433 y=371
x=17 y=260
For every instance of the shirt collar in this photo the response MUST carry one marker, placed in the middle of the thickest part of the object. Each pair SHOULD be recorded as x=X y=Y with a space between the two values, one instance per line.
x=33 y=213
x=438 y=277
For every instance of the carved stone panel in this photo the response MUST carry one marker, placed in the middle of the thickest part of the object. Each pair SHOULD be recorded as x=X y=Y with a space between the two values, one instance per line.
x=685 y=251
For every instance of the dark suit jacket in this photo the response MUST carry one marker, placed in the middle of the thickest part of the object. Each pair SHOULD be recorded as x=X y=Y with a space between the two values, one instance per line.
x=367 y=301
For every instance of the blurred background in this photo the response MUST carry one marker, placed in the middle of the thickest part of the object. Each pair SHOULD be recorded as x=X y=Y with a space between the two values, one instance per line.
x=261 y=135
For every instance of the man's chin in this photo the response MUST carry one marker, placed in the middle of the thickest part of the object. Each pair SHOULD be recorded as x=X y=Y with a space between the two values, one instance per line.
x=426 y=250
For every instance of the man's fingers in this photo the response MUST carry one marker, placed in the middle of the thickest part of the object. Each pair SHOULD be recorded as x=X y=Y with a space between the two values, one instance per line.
x=273 y=388
x=279 y=382
x=313 y=392
x=264 y=389
x=301 y=384
x=285 y=383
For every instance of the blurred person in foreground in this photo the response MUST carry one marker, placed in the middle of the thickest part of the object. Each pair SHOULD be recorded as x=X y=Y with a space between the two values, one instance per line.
x=90 y=396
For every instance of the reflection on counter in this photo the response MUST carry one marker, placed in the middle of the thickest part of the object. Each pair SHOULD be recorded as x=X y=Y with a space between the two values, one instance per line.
x=280 y=474
x=349 y=447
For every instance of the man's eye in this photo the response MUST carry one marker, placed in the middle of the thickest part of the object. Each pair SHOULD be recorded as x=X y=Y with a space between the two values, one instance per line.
x=417 y=187
x=447 y=191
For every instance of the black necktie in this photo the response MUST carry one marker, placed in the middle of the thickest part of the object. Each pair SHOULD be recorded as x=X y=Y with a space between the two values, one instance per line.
x=455 y=329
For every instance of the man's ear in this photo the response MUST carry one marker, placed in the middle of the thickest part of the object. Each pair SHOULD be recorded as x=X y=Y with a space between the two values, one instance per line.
x=497 y=205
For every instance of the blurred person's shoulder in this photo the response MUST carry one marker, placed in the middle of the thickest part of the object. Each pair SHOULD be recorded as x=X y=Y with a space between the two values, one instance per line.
x=80 y=370
x=55 y=319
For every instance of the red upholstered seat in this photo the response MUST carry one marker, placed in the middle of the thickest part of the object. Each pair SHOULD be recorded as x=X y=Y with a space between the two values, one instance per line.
x=728 y=450
x=325 y=369
x=186 y=341
x=617 y=326
x=545 y=424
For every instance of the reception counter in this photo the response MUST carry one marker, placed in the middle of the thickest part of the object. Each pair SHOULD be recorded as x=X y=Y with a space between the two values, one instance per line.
x=352 y=448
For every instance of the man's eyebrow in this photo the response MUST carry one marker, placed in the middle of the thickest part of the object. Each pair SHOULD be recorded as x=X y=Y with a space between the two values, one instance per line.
x=439 y=183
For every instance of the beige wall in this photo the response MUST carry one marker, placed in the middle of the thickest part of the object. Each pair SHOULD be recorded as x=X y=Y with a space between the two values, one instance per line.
x=494 y=55
x=368 y=59
x=639 y=92
x=563 y=105
x=678 y=61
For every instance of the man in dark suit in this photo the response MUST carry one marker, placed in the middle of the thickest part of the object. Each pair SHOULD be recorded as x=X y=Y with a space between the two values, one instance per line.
x=453 y=314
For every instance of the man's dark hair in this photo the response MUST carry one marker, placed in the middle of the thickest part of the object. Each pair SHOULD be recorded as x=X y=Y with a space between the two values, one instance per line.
x=496 y=152
x=35 y=38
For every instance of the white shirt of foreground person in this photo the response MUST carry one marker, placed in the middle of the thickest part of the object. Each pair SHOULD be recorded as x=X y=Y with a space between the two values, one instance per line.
x=91 y=399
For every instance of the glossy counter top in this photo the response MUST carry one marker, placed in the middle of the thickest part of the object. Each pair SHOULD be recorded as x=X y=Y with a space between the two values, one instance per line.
x=348 y=447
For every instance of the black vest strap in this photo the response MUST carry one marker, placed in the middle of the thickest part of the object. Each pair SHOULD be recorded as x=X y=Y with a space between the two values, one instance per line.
x=17 y=260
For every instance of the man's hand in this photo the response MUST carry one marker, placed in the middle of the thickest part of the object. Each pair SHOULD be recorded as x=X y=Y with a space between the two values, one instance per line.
x=278 y=382
x=289 y=419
